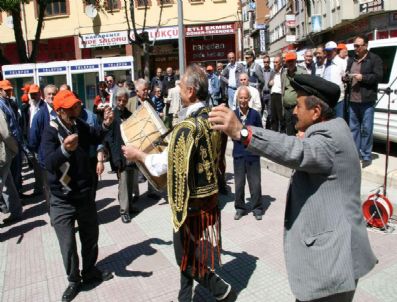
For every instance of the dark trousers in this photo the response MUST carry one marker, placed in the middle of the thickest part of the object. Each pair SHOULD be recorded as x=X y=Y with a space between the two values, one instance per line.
x=361 y=124
x=211 y=281
x=252 y=171
x=277 y=113
x=64 y=213
x=94 y=177
x=289 y=120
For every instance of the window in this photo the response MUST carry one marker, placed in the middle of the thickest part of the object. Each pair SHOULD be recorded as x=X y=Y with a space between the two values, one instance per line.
x=387 y=54
x=55 y=8
x=143 y=3
x=165 y=2
x=112 y=5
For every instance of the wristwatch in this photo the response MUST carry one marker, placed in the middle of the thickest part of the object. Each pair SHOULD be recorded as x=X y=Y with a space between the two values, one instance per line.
x=244 y=134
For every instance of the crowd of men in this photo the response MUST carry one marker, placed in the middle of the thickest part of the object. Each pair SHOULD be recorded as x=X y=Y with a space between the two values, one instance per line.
x=66 y=146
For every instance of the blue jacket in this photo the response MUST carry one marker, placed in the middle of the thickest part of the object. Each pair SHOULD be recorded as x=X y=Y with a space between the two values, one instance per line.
x=239 y=150
x=215 y=86
x=41 y=120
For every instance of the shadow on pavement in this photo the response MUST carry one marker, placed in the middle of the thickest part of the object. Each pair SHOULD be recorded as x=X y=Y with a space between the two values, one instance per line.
x=19 y=230
x=35 y=210
x=109 y=214
x=107 y=183
x=103 y=203
x=236 y=272
x=118 y=262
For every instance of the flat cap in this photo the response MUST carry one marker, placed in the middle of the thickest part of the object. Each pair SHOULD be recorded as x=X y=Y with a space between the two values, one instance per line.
x=250 y=53
x=314 y=85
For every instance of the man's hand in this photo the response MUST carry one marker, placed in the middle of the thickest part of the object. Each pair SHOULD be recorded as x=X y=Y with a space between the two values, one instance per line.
x=225 y=120
x=133 y=154
x=71 y=142
x=100 y=167
x=108 y=116
x=358 y=77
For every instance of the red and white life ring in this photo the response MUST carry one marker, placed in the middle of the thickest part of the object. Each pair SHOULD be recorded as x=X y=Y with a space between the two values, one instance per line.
x=372 y=215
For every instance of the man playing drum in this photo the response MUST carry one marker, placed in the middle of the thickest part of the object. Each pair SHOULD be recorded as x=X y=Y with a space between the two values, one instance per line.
x=191 y=166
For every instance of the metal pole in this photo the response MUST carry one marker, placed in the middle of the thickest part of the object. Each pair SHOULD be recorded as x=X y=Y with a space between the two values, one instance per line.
x=181 y=37
x=26 y=30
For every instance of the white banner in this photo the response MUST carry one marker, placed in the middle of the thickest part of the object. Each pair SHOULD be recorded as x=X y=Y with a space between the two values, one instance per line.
x=103 y=39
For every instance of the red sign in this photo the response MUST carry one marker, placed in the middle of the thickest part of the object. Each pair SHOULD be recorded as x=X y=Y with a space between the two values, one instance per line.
x=210 y=30
x=198 y=50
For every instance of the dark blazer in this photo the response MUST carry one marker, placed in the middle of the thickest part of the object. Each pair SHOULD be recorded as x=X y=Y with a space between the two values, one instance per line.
x=54 y=157
x=239 y=150
x=372 y=71
x=116 y=141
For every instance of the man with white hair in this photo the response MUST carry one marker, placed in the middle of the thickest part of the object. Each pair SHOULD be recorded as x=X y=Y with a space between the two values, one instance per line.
x=255 y=101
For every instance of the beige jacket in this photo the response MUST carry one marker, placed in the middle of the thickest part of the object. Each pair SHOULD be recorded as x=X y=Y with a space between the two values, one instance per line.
x=8 y=144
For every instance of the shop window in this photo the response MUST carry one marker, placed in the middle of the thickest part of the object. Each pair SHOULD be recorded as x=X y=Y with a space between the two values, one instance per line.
x=393 y=33
x=387 y=54
x=56 y=8
x=112 y=5
x=383 y=34
x=143 y=3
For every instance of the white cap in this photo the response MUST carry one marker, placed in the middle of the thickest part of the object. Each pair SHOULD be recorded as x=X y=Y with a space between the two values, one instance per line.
x=330 y=45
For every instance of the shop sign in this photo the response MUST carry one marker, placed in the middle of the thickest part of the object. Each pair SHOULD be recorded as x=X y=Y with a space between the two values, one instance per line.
x=290 y=20
x=84 y=67
x=103 y=39
x=205 y=50
x=163 y=33
x=262 y=40
x=209 y=30
x=18 y=72
x=119 y=64
x=290 y=38
x=51 y=69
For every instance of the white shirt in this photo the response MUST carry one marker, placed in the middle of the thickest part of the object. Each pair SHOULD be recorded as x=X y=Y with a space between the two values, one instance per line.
x=276 y=88
x=232 y=76
x=33 y=108
x=157 y=164
x=333 y=72
x=255 y=100
x=320 y=70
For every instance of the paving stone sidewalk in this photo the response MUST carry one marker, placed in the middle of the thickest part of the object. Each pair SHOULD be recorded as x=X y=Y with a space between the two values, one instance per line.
x=141 y=253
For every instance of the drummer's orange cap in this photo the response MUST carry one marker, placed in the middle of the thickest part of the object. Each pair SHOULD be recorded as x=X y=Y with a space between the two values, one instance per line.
x=341 y=46
x=65 y=99
x=34 y=88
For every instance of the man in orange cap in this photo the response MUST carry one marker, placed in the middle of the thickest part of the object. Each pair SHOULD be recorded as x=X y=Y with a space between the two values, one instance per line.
x=214 y=87
x=10 y=144
x=289 y=95
x=66 y=143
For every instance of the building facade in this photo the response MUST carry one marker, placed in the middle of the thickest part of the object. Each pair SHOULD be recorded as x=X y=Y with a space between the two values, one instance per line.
x=299 y=24
x=72 y=30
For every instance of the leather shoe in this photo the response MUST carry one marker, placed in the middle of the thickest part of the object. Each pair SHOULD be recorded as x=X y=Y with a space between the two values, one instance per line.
x=98 y=276
x=231 y=296
x=71 y=292
x=153 y=196
x=134 y=210
x=258 y=216
x=125 y=218
x=366 y=163
x=238 y=215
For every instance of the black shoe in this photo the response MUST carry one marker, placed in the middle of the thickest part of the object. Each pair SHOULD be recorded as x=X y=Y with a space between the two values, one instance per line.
x=258 y=216
x=112 y=172
x=366 y=163
x=125 y=218
x=71 y=292
x=152 y=195
x=238 y=216
x=98 y=276
x=230 y=297
x=134 y=210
